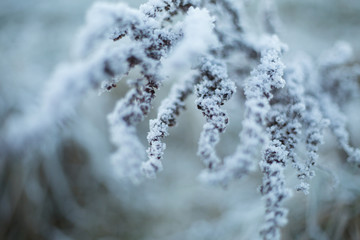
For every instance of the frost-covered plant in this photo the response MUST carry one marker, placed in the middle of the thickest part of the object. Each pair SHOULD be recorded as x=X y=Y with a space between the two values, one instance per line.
x=287 y=105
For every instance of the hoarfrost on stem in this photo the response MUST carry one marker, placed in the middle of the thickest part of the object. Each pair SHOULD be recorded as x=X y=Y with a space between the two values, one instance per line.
x=265 y=78
x=199 y=43
x=167 y=113
x=212 y=92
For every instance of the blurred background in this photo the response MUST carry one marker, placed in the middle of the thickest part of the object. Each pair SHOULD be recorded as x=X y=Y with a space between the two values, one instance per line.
x=65 y=188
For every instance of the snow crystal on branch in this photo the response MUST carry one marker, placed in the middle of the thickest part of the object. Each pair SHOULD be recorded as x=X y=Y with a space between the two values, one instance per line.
x=155 y=48
x=297 y=109
x=105 y=61
x=291 y=100
x=283 y=122
x=167 y=113
x=212 y=92
x=258 y=92
x=273 y=189
x=172 y=38
x=146 y=26
x=314 y=123
x=126 y=115
x=196 y=41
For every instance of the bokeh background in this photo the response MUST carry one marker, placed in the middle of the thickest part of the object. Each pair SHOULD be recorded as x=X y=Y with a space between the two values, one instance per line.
x=66 y=189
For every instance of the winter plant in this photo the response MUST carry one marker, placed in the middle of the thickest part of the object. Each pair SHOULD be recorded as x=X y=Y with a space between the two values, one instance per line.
x=286 y=103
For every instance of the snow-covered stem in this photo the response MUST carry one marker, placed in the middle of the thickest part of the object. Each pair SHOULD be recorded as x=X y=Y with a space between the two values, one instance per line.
x=97 y=59
x=258 y=92
x=145 y=25
x=168 y=111
x=300 y=110
x=122 y=121
x=168 y=39
x=273 y=188
x=212 y=92
x=156 y=43
x=293 y=103
x=314 y=123
x=284 y=128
